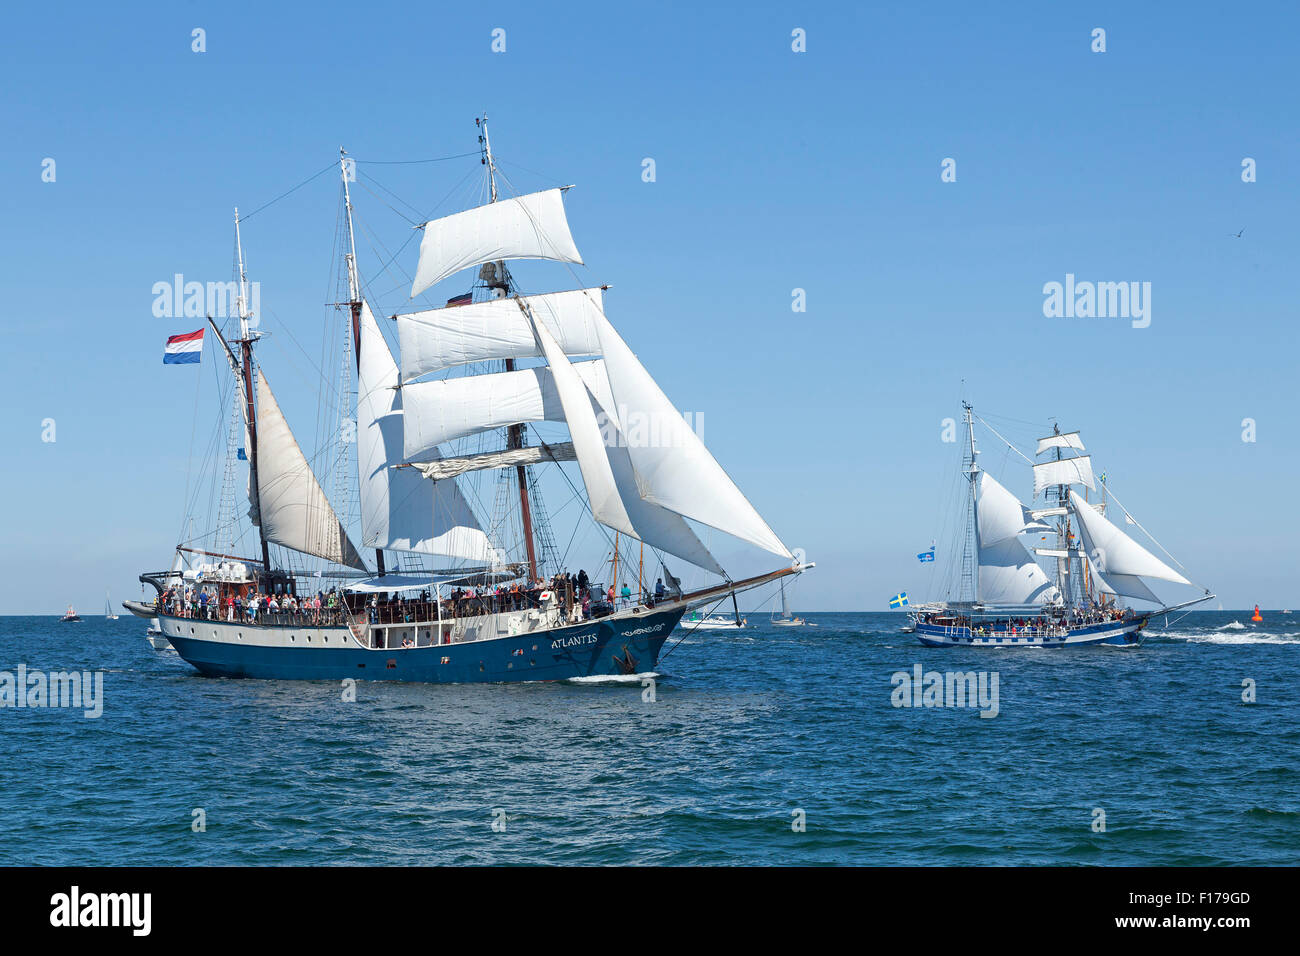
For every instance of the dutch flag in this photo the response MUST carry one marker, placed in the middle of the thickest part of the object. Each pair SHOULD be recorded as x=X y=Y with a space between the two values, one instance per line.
x=184 y=349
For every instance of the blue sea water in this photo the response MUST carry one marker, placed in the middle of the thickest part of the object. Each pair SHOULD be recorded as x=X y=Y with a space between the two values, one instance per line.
x=746 y=729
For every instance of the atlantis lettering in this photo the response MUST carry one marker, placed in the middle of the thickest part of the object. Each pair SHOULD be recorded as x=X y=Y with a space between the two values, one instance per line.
x=572 y=641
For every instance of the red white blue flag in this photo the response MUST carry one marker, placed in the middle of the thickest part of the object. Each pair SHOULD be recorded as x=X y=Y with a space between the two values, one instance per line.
x=184 y=349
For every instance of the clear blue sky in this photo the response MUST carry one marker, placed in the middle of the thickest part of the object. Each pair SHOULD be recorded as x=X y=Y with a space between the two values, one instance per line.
x=775 y=170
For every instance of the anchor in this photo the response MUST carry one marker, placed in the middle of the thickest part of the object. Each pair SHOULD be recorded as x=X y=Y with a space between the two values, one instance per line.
x=627 y=663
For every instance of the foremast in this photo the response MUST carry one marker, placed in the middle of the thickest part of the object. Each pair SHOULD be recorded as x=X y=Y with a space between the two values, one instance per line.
x=246 y=338
x=354 y=293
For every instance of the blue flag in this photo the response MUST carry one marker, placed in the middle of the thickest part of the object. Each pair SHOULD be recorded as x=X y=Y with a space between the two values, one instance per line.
x=925 y=556
x=898 y=600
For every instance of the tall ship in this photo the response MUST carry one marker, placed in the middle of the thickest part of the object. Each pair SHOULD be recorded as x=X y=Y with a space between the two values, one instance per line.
x=1004 y=597
x=446 y=463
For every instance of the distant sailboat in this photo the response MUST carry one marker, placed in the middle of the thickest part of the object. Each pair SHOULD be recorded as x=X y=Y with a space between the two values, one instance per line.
x=786 y=619
x=108 y=608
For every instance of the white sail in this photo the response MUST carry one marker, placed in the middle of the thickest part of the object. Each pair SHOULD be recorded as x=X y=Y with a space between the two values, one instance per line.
x=1127 y=585
x=1067 y=471
x=529 y=227
x=400 y=509
x=496 y=329
x=602 y=491
x=1068 y=440
x=607 y=470
x=507 y=458
x=676 y=471
x=1115 y=553
x=1001 y=515
x=293 y=510
x=442 y=411
x=1008 y=574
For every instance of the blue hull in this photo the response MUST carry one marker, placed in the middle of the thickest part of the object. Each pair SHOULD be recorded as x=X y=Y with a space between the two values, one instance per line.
x=604 y=647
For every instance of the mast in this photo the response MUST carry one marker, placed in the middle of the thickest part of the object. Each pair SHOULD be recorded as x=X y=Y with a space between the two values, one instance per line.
x=970 y=562
x=1062 y=535
x=354 y=293
x=246 y=351
x=515 y=433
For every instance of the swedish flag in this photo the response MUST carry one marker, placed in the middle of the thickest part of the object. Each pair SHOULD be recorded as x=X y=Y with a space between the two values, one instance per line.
x=898 y=600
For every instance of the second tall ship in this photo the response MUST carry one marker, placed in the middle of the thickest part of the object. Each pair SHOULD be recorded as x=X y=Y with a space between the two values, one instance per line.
x=450 y=585
x=1003 y=596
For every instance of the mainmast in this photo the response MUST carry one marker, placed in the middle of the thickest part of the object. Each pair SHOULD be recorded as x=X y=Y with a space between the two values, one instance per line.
x=515 y=433
x=246 y=338
x=354 y=292
x=1063 y=583
x=970 y=557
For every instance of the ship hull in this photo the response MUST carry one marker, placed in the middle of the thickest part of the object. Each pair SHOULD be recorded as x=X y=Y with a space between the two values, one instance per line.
x=1114 y=633
x=612 y=646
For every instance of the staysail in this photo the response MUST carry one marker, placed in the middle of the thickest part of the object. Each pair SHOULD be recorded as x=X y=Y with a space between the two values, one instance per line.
x=292 y=509
x=673 y=468
x=608 y=472
x=1113 y=552
x=530 y=227
x=496 y=329
x=1001 y=514
x=400 y=509
x=1008 y=573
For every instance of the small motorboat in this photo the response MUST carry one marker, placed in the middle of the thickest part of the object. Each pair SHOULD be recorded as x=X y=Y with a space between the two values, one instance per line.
x=71 y=617
x=156 y=638
x=714 y=622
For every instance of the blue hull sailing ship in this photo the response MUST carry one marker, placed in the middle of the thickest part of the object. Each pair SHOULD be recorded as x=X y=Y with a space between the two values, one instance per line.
x=451 y=595
x=1007 y=599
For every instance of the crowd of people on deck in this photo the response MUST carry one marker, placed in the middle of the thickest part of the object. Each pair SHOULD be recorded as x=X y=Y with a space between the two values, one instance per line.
x=233 y=605
x=578 y=597
x=1044 y=623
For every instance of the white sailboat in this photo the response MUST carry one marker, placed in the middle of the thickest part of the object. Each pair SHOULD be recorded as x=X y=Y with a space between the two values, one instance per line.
x=108 y=607
x=785 y=618
x=1006 y=598
x=458 y=407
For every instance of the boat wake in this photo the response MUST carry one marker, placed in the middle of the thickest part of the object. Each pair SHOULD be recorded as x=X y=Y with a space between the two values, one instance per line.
x=614 y=679
x=1232 y=637
x=1231 y=626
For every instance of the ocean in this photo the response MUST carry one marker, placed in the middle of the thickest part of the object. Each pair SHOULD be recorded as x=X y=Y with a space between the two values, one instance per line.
x=762 y=746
